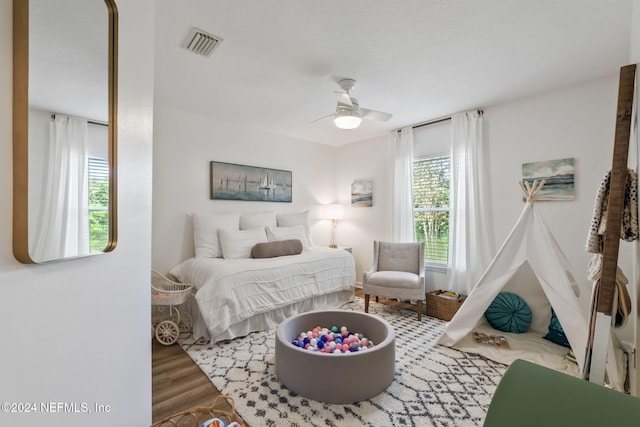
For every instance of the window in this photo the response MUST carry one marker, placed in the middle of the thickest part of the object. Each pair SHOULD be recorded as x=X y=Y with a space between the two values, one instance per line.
x=431 y=177
x=98 y=204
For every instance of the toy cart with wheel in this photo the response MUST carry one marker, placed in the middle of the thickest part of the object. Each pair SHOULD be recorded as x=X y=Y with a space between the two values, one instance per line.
x=168 y=318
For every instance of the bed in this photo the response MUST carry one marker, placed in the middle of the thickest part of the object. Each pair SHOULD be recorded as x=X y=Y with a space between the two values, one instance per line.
x=238 y=294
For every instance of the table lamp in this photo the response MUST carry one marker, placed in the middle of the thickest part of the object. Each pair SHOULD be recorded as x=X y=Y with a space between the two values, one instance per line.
x=333 y=212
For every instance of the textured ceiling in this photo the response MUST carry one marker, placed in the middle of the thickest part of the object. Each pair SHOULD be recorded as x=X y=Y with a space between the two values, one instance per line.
x=417 y=59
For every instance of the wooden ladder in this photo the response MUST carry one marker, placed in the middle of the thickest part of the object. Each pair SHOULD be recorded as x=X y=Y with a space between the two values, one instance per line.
x=607 y=294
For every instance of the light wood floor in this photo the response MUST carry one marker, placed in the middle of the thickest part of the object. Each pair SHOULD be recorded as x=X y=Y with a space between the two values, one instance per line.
x=178 y=384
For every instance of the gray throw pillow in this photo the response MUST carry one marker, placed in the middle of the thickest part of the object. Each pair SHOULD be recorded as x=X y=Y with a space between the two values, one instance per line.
x=276 y=248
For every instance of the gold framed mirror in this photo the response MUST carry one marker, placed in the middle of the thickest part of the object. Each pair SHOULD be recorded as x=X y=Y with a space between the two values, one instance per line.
x=64 y=129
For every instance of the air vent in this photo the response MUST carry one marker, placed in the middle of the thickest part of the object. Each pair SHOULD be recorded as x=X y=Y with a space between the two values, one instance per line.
x=201 y=42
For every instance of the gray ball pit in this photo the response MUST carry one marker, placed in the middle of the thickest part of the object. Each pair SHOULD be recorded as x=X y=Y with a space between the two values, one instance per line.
x=336 y=378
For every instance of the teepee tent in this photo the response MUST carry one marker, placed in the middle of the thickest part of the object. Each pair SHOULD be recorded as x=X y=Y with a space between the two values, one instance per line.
x=530 y=264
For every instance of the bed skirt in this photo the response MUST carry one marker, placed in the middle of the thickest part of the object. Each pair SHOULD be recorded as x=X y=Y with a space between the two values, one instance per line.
x=271 y=319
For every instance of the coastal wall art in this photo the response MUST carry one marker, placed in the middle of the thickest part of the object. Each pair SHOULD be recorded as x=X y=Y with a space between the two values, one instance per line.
x=230 y=181
x=362 y=194
x=558 y=175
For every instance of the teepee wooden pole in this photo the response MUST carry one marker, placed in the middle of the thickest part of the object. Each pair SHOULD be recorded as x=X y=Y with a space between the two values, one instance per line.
x=531 y=191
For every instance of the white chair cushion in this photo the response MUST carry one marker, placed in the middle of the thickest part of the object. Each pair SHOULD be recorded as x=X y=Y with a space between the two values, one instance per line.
x=399 y=257
x=394 y=279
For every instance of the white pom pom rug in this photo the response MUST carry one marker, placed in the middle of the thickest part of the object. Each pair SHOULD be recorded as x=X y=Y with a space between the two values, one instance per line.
x=433 y=385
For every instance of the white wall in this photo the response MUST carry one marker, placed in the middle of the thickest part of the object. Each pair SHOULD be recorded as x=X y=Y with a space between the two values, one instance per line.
x=185 y=143
x=366 y=161
x=574 y=122
x=634 y=46
x=78 y=331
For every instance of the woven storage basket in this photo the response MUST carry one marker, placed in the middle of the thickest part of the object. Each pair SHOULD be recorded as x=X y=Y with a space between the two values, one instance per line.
x=195 y=417
x=441 y=307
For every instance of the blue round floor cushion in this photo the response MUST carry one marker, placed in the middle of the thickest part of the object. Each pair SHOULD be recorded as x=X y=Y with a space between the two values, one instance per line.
x=509 y=313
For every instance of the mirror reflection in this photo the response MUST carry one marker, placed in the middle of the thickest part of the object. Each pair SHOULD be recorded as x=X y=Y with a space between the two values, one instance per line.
x=70 y=143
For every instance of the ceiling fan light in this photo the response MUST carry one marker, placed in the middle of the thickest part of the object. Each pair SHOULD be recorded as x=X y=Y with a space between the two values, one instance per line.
x=347 y=120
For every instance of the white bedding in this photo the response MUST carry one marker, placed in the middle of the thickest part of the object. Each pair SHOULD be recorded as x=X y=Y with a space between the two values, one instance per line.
x=237 y=296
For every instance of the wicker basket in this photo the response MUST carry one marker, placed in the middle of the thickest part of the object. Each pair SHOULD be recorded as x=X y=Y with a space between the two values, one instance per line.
x=441 y=307
x=195 y=417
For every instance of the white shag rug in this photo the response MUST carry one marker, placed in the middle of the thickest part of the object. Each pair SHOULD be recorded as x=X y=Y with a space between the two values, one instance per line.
x=433 y=385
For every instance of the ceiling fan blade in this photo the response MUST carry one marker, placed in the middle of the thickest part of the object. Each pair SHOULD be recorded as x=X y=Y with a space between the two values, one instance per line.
x=344 y=99
x=374 y=115
x=322 y=118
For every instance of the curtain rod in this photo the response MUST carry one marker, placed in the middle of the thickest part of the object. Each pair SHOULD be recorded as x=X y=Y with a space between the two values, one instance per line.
x=441 y=119
x=91 y=122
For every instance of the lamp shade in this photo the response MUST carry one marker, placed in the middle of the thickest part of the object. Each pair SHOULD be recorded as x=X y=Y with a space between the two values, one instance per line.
x=335 y=211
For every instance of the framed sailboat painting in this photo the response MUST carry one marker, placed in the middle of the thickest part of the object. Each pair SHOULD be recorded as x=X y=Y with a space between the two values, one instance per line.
x=230 y=181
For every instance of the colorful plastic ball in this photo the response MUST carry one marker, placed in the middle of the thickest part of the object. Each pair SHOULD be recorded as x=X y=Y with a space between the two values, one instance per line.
x=329 y=340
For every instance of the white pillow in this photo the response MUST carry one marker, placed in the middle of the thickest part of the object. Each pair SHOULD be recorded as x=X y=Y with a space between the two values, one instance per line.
x=257 y=219
x=238 y=244
x=290 y=220
x=205 y=232
x=287 y=233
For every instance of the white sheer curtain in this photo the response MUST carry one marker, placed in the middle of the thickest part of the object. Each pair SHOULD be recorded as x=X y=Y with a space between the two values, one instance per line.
x=62 y=229
x=402 y=229
x=471 y=240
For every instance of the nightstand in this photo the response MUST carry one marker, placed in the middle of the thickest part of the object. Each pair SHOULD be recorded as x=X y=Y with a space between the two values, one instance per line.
x=344 y=248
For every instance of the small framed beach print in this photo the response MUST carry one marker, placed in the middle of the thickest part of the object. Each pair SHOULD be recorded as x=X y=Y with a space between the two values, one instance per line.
x=558 y=175
x=362 y=194
x=230 y=181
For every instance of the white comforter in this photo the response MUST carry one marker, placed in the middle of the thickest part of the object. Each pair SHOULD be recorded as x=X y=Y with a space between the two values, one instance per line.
x=230 y=291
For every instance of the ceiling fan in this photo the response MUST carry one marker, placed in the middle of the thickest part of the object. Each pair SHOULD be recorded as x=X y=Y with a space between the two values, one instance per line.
x=348 y=113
